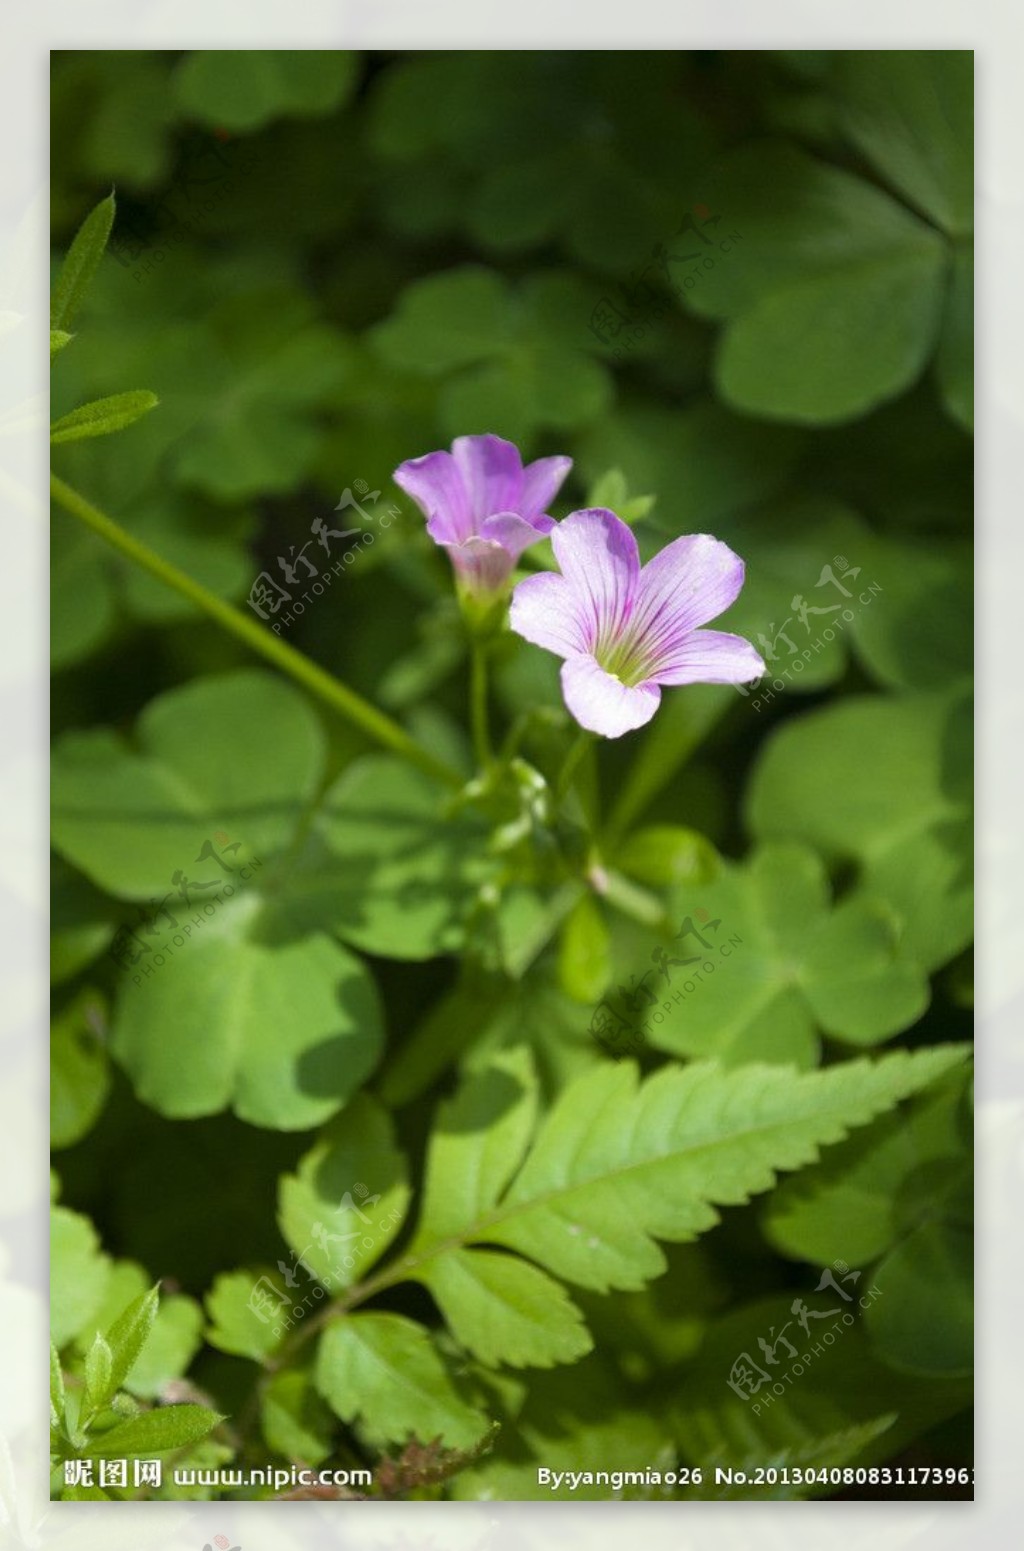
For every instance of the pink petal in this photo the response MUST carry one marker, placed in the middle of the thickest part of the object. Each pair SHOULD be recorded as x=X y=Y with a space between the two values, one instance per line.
x=486 y=561
x=542 y=481
x=598 y=557
x=602 y=703
x=710 y=657
x=435 y=484
x=492 y=472
x=690 y=581
x=544 y=610
x=515 y=533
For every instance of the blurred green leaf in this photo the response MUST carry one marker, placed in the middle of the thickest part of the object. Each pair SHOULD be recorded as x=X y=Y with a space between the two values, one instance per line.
x=79 y=1069
x=865 y=1194
x=955 y=363
x=665 y=854
x=831 y=291
x=294 y=1420
x=243 y=88
x=79 y=1272
x=924 y=1320
x=81 y=263
x=911 y=113
x=103 y=416
x=584 y=959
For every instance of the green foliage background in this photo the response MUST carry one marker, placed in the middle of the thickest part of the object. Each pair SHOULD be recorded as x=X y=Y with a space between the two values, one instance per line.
x=323 y=264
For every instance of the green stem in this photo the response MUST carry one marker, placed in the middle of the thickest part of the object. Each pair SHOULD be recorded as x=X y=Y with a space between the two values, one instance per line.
x=316 y=680
x=478 y=704
x=632 y=900
x=583 y=742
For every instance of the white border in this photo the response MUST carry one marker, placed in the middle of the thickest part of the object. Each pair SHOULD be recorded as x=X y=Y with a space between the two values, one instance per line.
x=995 y=33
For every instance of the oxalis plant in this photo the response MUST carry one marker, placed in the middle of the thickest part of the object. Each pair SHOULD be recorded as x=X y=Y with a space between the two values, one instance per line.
x=465 y=1299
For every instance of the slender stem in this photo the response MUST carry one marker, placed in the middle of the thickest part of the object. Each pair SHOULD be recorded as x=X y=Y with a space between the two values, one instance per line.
x=478 y=704
x=632 y=900
x=583 y=742
x=298 y=667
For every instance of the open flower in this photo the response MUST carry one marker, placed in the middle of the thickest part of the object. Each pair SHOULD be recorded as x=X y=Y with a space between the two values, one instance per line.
x=625 y=629
x=482 y=505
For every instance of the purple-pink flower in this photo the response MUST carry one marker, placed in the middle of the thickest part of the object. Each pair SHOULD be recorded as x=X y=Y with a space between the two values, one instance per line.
x=626 y=629
x=482 y=505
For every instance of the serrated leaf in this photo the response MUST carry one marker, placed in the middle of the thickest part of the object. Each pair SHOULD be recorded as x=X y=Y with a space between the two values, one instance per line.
x=505 y=1310
x=103 y=416
x=865 y=1193
x=154 y=1432
x=614 y=1166
x=81 y=263
x=56 y=1388
x=383 y=1372
x=79 y=1273
x=128 y=1335
x=99 y=1368
x=243 y=1307
x=350 y=1188
x=478 y=1141
x=295 y=1422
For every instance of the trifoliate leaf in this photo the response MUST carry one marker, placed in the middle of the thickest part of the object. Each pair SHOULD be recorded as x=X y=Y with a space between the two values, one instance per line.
x=905 y=820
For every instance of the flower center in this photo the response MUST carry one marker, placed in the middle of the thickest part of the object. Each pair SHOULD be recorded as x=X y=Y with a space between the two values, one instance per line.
x=624 y=657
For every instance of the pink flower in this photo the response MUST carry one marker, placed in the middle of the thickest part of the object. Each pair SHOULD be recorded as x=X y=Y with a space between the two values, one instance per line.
x=626 y=629
x=482 y=505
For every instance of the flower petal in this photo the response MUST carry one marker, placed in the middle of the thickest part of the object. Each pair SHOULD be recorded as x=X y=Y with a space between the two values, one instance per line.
x=492 y=472
x=542 y=481
x=602 y=703
x=598 y=557
x=688 y=583
x=544 y=610
x=515 y=533
x=435 y=483
x=710 y=657
x=486 y=562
